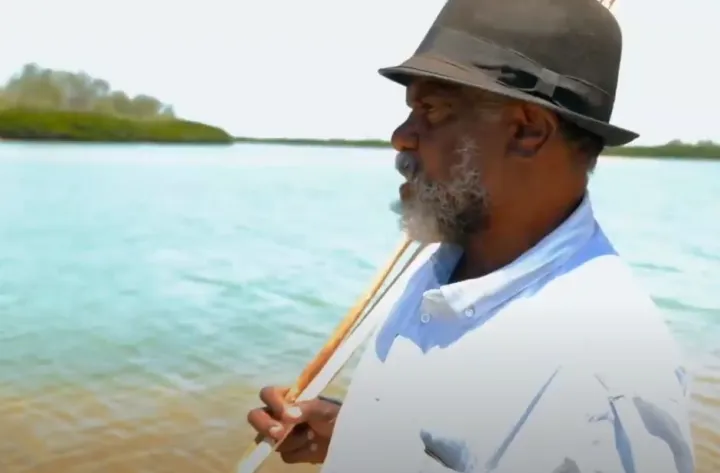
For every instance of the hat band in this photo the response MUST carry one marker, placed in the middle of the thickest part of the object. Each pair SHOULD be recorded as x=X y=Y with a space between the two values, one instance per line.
x=514 y=70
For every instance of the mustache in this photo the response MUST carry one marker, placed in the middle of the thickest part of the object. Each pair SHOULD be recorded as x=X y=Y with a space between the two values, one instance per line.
x=396 y=207
x=407 y=165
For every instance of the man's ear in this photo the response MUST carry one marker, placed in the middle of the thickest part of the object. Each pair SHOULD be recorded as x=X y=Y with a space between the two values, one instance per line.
x=532 y=128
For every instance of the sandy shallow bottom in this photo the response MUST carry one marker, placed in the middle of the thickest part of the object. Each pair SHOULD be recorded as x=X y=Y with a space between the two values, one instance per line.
x=76 y=431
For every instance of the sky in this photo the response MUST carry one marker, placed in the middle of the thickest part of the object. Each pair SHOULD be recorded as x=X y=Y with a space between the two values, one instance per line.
x=288 y=68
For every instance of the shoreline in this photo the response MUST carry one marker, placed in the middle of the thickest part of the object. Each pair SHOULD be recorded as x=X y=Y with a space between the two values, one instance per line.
x=699 y=152
x=648 y=152
x=214 y=144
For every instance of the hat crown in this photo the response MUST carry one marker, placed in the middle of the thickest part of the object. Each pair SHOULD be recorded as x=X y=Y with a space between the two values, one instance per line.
x=563 y=55
x=576 y=38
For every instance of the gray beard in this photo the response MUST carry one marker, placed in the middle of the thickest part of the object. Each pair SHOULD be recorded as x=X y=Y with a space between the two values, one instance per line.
x=446 y=212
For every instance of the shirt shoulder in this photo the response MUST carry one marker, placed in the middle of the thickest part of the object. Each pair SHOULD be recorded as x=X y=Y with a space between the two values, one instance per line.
x=600 y=311
x=589 y=277
x=600 y=295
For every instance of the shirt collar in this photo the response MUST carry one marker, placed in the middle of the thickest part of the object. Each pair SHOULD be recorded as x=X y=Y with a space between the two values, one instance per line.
x=475 y=297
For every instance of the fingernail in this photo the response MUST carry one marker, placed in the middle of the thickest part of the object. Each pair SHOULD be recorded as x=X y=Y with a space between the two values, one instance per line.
x=310 y=435
x=313 y=447
x=276 y=431
x=293 y=411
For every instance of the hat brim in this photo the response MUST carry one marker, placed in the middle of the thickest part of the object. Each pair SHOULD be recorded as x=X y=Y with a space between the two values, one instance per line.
x=421 y=66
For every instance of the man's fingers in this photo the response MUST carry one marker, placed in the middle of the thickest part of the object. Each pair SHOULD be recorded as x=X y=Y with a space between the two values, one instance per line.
x=297 y=439
x=296 y=456
x=261 y=420
x=312 y=411
x=312 y=452
x=274 y=399
x=313 y=417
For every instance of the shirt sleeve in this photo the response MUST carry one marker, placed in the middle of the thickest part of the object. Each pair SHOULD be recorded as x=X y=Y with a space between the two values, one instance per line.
x=578 y=423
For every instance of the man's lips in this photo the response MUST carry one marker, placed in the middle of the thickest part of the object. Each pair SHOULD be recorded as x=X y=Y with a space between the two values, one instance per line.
x=406 y=164
x=405 y=191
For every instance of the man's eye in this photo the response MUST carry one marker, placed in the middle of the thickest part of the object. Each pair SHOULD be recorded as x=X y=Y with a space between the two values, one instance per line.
x=435 y=113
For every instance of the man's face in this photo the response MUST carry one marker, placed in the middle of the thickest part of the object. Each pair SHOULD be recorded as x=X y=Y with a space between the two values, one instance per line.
x=449 y=152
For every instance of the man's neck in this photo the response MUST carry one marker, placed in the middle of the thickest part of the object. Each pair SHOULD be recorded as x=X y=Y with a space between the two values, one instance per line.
x=500 y=245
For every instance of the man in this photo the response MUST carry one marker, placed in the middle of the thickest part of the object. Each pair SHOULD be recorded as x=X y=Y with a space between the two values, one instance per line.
x=521 y=343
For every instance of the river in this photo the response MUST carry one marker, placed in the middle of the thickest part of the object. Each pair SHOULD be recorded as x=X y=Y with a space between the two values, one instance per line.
x=146 y=292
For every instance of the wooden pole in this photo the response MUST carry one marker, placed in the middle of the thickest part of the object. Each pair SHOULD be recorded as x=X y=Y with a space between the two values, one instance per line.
x=253 y=457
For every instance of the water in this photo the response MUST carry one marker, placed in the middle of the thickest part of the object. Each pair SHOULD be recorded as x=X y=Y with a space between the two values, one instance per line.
x=146 y=292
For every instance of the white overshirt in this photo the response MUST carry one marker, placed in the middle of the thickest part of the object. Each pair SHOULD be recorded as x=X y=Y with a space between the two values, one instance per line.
x=557 y=363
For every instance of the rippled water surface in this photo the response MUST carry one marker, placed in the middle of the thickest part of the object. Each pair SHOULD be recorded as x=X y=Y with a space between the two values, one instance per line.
x=146 y=292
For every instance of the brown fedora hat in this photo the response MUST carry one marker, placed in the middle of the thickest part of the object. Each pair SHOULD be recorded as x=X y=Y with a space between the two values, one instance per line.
x=561 y=54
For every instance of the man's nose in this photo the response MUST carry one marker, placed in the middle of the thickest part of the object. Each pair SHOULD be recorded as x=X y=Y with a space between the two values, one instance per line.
x=404 y=138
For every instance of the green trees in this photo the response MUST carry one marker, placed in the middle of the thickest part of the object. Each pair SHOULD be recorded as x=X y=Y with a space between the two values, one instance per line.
x=45 y=104
x=35 y=87
x=704 y=149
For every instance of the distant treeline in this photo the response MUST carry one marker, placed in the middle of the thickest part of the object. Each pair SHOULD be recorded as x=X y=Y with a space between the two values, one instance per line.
x=45 y=104
x=705 y=149
x=49 y=125
x=673 y=149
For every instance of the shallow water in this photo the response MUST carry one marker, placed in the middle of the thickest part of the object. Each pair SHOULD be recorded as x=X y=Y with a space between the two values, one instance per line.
x=146 y=292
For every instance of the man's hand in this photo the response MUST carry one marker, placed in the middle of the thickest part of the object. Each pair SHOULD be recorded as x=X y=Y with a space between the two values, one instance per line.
x=313 y=420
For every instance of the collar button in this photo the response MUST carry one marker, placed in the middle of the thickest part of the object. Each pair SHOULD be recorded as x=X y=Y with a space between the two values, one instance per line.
x=469 y=312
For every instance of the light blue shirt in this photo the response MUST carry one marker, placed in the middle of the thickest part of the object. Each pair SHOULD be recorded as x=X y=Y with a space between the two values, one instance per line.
x=557 y=363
